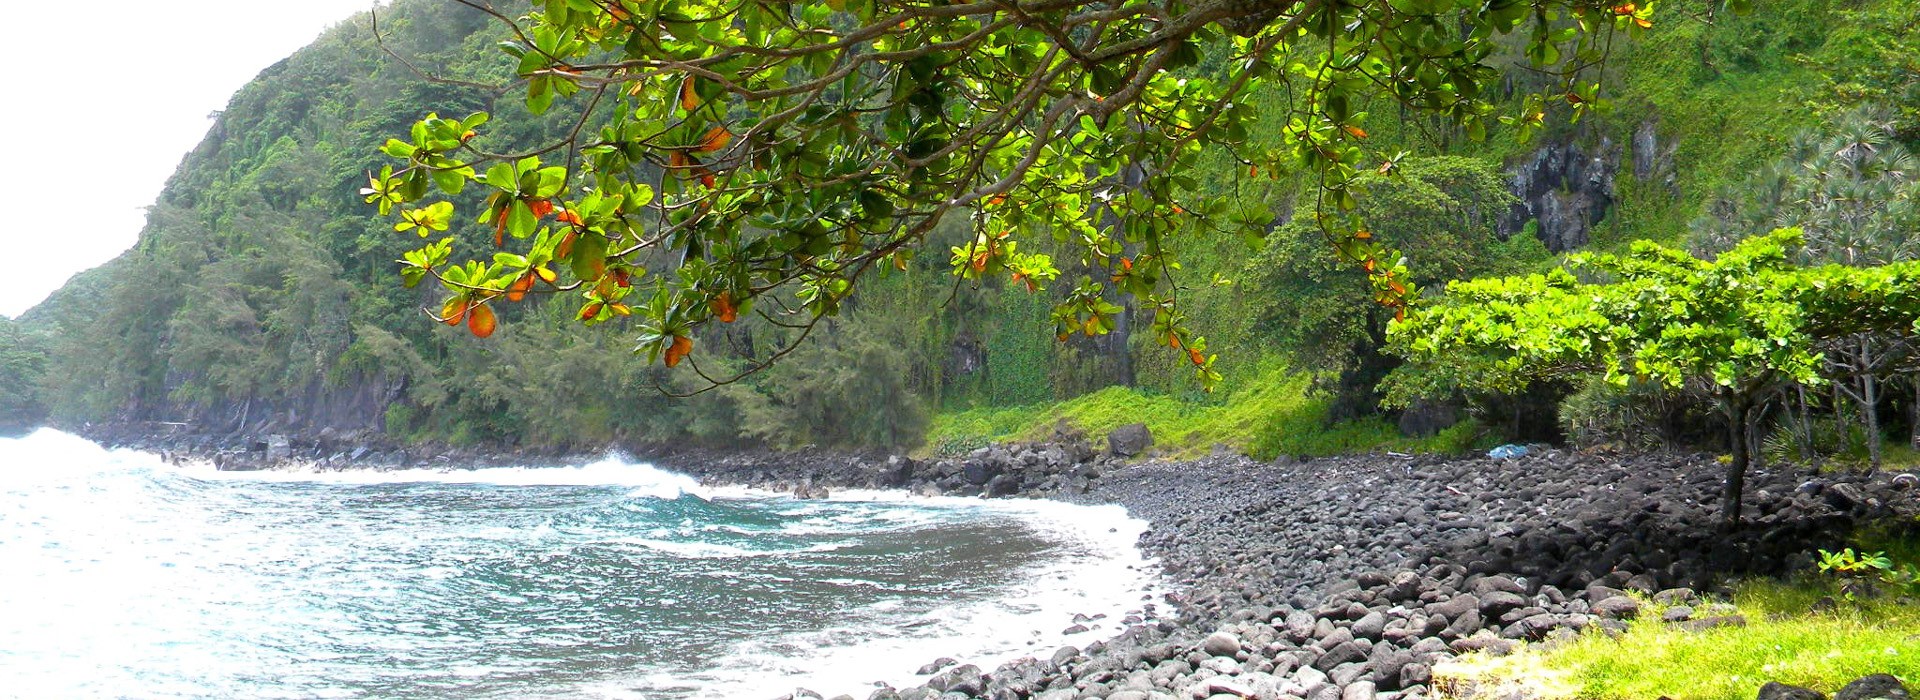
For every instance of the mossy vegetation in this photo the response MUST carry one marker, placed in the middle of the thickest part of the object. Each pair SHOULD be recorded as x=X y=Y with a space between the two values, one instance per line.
x=1806 y=632
x=1276 y=414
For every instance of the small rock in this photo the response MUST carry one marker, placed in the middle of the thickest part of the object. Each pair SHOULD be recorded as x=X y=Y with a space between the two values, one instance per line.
x=1707 y=623
x=1617 y=608
x=1221 y=644
x=1677 y=613
x=1782 y=691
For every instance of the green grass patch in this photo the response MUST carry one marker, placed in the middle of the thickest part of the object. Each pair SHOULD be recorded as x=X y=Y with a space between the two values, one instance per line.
x=1784 y=641
x=1271 y=415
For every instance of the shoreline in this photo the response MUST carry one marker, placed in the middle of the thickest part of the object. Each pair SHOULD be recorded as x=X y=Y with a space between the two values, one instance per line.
x=1348 y=577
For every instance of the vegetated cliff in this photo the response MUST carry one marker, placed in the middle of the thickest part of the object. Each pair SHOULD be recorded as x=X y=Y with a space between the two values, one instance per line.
x=262 y=294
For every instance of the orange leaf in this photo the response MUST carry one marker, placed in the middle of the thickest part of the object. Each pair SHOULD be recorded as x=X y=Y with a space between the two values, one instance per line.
x=518 y=290
x=621 y=309
x=1363 y=234
x=568 y=216
x=676 y=159
x=1253 y=171
x=717 y=138
x=566 y=246
x=723 y=308
x=706 y=178
x=591 y=310
x=454 y=311
x=1357 y=132
x=681 y=347
x=500 y=230
x=546 y=274
x=540 y=207
x=689 y=98
x=1624 y=9
x=1643 y=22
x=468 y=136
x=1196 y=357
x=996 y=200
x=620 y=277
x=481 y=321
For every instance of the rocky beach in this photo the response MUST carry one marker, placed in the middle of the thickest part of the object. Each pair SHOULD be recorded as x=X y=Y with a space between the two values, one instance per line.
x=1348 y=577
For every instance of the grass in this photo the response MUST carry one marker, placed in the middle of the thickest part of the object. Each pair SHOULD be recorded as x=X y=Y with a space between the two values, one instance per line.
x=1783 y=642
x=1271 y=415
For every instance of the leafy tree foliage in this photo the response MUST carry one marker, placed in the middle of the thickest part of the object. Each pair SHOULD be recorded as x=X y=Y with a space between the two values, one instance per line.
x=1852 y=187
x=1316 y=308
x=762 y=158
x=1741 y=326
x=23 y=359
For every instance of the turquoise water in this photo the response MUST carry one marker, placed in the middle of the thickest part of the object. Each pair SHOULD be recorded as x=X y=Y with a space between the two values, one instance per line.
x=127 y=577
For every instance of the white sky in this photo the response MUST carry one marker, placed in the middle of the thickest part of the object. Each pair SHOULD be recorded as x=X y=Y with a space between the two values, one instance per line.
x=97 y=113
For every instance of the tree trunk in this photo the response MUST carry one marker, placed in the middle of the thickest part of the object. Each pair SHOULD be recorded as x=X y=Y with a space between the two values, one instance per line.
x=1913 y=432
x=1806 y=426
x=1738 y=433
x=1870 y=400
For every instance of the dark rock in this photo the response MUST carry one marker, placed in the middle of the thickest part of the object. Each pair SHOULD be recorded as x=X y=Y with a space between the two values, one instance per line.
x=1617 y=608
x=1130 y=440
x=1677 y=613
x=1344 y=652
x=1370 y=626
x=967 y=680
x=1782 y=691
x=936 y=666
x=1715 y=622
x=1496 y=603
x=1875 y=687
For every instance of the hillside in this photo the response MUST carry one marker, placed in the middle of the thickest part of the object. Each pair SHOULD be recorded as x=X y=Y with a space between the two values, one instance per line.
x=262 y=296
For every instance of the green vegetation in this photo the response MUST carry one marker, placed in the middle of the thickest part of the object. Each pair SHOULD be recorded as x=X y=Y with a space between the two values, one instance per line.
x=1786 y=639
x=264 y=288
x=1741 y=328
x=1274 y=416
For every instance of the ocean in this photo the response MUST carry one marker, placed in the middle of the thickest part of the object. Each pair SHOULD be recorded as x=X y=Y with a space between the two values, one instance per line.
x=124 y=576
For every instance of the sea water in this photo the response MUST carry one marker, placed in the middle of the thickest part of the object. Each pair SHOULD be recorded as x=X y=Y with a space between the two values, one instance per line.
x=124 y=576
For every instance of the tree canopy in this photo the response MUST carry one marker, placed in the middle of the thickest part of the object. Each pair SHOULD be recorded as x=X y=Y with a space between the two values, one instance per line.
x=1744 y=324
x=761 y=158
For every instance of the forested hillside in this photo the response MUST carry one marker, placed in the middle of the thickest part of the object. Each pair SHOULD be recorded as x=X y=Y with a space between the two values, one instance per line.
x=263 y=295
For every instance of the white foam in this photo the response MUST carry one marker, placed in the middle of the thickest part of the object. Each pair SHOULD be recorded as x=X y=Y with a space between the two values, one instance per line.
x=1098 y=571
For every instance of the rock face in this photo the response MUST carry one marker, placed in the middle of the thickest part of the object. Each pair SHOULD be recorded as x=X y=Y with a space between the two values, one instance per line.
x=1567 y=189
x=1130 y=440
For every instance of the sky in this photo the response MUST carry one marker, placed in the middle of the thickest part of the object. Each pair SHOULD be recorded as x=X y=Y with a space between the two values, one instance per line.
x=98 y=113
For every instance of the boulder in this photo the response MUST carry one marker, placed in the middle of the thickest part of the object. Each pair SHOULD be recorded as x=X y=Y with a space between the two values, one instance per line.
x=1221 y=644
x=1875 y=687
x=1617 y=608
x=1130 y=440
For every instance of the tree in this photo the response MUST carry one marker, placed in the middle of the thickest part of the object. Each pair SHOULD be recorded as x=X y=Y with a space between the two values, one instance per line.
x=1852 y=188
x=761 y=158
x=1439 y=211
x=1741 y=326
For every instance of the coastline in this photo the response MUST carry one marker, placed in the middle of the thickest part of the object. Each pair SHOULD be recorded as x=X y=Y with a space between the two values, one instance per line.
x=1348 y=577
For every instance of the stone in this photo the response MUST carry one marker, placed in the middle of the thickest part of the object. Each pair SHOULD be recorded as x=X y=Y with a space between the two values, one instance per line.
x=1782 y=691
x=1617 y=608
x=279 y=448
x=1359 y=690
x=1677 y=613
x=1879 y=686
x=936 y=666
x=1130 y=440
x=1675 y=596
x=1493 y=604
x=1707 y=623
x=1370 y=625
x=1344 y=652
x=1221 y=644
x=966 y=679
